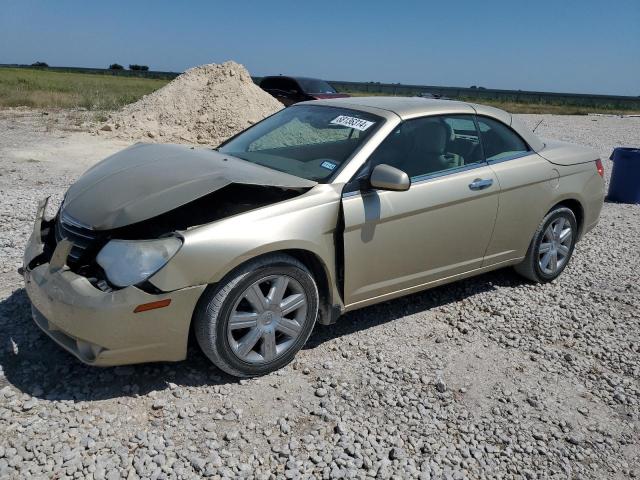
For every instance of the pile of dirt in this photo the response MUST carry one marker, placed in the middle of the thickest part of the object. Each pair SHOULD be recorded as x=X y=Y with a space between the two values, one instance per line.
x=206 y=104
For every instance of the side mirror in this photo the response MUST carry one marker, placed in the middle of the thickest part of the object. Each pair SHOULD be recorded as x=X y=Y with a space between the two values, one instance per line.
x=386 y=177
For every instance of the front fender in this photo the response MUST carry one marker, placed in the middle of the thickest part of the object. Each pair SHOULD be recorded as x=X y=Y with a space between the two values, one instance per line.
x=211 y=251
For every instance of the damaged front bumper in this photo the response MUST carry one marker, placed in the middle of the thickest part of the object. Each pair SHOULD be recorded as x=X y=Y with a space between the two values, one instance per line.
x=98 y=327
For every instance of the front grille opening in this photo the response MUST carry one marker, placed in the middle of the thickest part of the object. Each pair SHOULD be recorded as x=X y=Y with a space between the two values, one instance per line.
x=86 y=242
x=86 y=245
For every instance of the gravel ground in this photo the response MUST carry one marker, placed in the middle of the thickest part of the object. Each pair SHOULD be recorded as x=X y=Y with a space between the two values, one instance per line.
x=485 y=378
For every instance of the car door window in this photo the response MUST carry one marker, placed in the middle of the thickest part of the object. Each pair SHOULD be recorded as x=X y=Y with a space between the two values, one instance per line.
x=499 y=141
x=430 y=145
x=311 y=85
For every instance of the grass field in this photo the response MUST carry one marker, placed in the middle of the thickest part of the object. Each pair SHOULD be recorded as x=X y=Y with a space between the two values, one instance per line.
x=44 y=89
x=522 y=107
x=516 y=107
x=50 y=89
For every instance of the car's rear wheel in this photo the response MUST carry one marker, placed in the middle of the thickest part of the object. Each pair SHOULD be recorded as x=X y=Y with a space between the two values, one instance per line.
x=257 y=319
x=551 y=247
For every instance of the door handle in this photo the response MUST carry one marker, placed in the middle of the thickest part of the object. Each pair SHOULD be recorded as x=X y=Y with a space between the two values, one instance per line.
x=481 y=184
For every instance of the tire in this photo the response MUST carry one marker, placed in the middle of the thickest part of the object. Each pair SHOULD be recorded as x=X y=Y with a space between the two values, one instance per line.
x=533 y=265
x=232 y=315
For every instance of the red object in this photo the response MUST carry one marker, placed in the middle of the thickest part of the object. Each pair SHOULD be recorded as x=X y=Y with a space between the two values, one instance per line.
x=152 y=306
x=599 y=167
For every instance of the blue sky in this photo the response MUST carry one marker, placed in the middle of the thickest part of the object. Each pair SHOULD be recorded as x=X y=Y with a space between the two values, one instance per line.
x=583 y=46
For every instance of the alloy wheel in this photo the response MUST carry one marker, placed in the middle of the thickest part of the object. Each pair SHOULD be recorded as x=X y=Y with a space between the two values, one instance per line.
x=267 y=319
x=555 y=247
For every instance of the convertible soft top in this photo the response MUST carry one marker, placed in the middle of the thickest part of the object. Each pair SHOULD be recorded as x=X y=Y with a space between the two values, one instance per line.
x=411 y=107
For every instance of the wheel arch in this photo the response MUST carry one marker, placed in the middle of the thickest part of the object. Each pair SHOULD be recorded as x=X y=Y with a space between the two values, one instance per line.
x=327 y=311
x=576 y=207
x=321 y=275
x=529 y=267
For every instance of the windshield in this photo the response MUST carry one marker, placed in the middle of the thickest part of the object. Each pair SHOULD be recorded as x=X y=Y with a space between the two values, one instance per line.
x=308 y=141
x=309 y=85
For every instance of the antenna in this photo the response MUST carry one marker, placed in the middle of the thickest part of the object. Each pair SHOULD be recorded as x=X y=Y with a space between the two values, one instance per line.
x=536 y=127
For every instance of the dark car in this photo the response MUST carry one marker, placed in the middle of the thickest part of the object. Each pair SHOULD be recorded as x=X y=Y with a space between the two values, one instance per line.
x=290 y=90
x=436 y=96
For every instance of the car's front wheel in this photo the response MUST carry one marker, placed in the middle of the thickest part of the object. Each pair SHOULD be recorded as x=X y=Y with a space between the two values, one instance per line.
x=256 y=320
x=551 y=247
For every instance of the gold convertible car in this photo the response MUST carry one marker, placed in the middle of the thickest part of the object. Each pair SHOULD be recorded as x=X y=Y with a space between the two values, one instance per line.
x=324 y=207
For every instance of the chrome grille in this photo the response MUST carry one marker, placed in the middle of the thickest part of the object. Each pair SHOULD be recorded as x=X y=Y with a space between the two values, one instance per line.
x=83 y=238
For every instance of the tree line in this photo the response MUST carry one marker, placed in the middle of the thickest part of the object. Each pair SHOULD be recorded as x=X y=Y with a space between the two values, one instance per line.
x=114 y=66
x=134 y=67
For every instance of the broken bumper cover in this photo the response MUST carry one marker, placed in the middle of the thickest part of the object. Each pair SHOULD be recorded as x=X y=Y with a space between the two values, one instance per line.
x=101 y=328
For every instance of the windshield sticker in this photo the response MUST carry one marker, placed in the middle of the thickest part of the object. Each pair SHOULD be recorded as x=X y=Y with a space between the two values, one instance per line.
x=352 y=122
x=328 y=165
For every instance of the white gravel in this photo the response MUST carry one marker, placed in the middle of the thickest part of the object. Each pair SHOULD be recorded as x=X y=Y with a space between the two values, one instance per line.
x=485 y=378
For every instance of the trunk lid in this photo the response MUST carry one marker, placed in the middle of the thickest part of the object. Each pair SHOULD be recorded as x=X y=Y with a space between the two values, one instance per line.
x=564 y=153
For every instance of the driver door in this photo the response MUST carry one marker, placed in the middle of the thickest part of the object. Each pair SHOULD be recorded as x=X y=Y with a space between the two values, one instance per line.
x=398 y=242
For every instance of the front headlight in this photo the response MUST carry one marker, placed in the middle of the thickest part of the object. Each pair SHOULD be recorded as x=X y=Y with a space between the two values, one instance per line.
x=128 y=262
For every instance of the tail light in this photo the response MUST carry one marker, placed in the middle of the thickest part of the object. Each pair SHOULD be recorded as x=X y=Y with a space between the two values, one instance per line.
x=599 y=167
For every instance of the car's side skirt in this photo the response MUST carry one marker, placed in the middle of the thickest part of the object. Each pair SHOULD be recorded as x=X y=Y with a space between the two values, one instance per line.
x=426 y=286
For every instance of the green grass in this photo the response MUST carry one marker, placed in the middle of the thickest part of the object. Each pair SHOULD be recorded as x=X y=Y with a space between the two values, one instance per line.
x=556 y=109
x=525 y=107
x=40 y=88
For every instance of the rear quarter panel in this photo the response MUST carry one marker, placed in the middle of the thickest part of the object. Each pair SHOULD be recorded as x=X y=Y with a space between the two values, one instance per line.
x=579 y=179
x=582 y=183
x=531 y=186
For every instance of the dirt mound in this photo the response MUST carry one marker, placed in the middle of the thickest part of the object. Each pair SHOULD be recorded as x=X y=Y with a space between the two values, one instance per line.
x=206 y=104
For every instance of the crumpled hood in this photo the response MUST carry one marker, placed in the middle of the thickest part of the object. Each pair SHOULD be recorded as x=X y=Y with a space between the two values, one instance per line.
x=146 y=180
